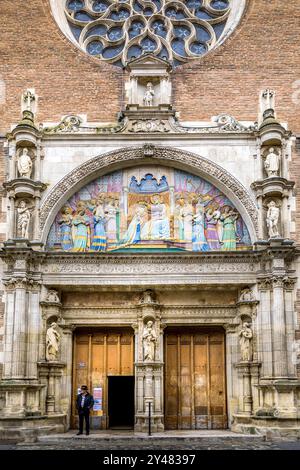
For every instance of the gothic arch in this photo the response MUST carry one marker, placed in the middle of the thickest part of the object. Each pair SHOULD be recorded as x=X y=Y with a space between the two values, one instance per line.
x=133 y=156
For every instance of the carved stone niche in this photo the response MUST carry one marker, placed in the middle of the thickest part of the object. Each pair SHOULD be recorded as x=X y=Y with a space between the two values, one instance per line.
x=247 y=305
x=149 y=86
x=273 y=217
x=51 y=307
x=24 y=218
x=272 y=161
x=25 y=157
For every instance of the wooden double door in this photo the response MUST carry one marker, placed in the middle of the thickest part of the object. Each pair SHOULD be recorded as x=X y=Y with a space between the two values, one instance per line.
x=103 y=360
x=195 y=388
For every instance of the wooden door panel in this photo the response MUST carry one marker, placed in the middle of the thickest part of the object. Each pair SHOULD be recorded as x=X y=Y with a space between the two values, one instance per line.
x=171 y=382
x=195 y=396
x=98 y=355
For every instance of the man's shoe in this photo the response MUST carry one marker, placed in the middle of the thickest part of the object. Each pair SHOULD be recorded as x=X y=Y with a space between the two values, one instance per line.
x=87 y=433
x=79 y=433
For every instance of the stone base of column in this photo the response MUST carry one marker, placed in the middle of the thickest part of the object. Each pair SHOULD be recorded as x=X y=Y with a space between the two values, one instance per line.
x=28 y=429
x=270 y=427
x=19 y=399
x=142 y=423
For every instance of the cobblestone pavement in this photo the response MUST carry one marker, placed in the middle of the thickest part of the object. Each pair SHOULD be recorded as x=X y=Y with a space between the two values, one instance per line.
x=88 y=443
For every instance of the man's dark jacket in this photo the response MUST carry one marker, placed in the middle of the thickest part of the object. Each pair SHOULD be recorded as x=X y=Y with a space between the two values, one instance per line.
x=88 y=402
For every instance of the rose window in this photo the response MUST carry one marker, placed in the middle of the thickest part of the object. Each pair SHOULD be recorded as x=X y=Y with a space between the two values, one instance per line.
x=174 y=30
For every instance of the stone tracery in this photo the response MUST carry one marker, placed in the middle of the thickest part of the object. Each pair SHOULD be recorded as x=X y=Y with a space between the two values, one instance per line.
x=176 y=30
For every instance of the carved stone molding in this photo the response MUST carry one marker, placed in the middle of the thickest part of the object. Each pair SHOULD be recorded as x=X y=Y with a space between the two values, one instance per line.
x=283 y=281
x=145 y=264
x=24 y=187
x=22 y=283
x=274 y=186
x=128 y=156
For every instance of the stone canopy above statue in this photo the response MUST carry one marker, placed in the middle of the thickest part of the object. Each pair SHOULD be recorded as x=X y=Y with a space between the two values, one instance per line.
x=149 y=209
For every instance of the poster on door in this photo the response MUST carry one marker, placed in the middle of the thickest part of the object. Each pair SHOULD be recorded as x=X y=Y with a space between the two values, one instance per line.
x=97 y=394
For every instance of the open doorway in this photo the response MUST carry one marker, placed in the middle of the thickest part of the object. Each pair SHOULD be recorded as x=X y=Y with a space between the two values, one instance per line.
x=121 y=402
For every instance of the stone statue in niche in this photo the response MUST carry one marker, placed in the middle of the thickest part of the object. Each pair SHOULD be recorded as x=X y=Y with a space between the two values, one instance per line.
x=25 y=164
x=273 y=219
x=23 y=220
x=149 y=95
x=149 y=342
x=247 y=295
x=246 y=336
x=52 y=297
x=272 y=163
x=52 y=342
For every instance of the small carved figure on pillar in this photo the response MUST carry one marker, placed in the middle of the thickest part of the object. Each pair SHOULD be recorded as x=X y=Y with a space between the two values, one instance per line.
x=273 y=219
x=268 y=99
x=28 y=100
x=272 y=163
x=149 y=95
x=52 y=342
x=52 y=297
x=23 y=220
x=25 y=164
x=149 y=341
x=247 y=295
x=246 y=337
x=148 y=297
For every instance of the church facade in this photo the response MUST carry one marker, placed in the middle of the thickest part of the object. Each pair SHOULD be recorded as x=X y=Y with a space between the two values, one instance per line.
x=149 y=219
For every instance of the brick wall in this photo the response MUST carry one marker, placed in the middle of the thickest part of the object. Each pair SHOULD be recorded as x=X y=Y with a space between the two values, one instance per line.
x=263 y=51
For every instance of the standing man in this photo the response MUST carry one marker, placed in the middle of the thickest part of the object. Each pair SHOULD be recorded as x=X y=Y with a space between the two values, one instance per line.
x=84 y=404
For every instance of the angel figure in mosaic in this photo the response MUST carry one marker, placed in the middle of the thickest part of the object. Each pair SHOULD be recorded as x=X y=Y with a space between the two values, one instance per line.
x=82 y=231
x=229 y=238
x=111 y=219
x=99 y=219
x=199 y=239
x=65 y=228
x=212 y=217
x=186 y=215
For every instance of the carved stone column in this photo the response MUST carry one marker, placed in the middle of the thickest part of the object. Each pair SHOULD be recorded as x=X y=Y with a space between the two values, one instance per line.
x=34 y=331
x=149 y=365
x=16 y=342
x=66 y=380
x=22 y=324
x=51 y=311
x=264 y=346
x=232 y=358
x=244 y=373
x=289 y=286
x=279 y=332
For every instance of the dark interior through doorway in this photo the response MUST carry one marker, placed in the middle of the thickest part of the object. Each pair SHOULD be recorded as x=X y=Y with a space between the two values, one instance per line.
x=121 y=402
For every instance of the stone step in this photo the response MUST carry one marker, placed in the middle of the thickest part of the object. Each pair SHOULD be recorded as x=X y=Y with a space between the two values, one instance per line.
x=158 y=437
